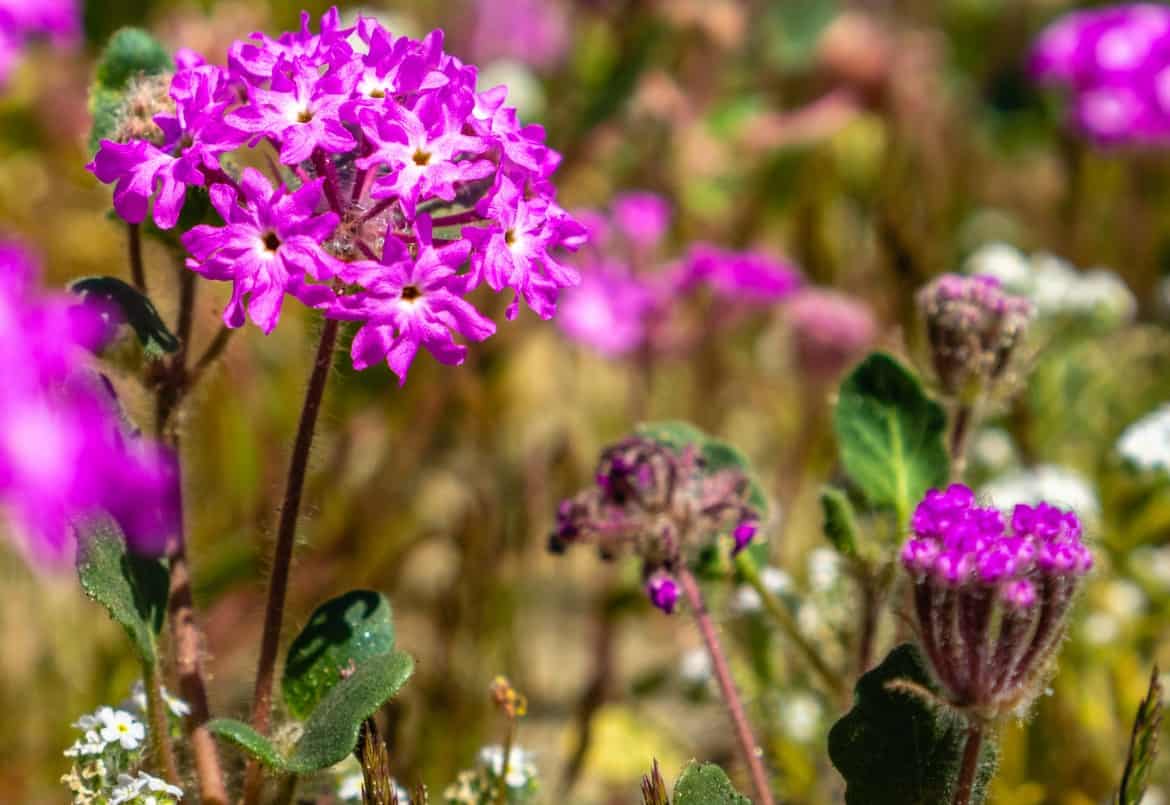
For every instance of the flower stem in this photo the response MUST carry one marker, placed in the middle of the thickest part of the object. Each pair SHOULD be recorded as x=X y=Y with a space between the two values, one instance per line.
x=282 y=554
x=970 y=763
x=137 y=269
x=743 y=731
x=159 y=725
x=960 y=436
x=783 y=618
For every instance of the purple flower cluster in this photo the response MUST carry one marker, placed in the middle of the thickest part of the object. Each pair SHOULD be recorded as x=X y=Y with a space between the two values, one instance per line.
x=1115 y=60
x=629 y=300
x=973 y=327
x=21 y=20
x=661 y=503
x=969 y=563
x=64 y=453
x=830 y=330
x=390 y=175
x=534 y=32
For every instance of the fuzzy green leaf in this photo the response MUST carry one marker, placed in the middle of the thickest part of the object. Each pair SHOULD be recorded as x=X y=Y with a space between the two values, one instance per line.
x=895 y=747
x=890 y=435
x=133 y=589
x=1143 y=745
x=839 y=524
x=706 y=784
x=131 y=52
x=672 y=433
x=342 y=633
x=139 y=312
x=250 y=741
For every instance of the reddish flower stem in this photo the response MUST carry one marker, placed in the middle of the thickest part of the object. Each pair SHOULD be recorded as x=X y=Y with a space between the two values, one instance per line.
x=739 y=722
x=282 y=554
x=970 y=764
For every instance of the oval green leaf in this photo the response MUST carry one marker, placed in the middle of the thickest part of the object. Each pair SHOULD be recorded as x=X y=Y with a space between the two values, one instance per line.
x=706 y=784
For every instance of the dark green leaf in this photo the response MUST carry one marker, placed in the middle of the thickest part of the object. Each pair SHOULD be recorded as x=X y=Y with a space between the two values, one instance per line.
x=706 y=784
x=131 y=52
x=1143 y=745
x=341 y=634
x=897 y=748
x=839 y=525
x=890 y=435
x=139 y=312
x=133 y=589
x=250 y=741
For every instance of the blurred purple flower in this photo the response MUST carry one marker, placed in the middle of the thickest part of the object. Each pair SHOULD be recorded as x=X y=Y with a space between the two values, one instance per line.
x=21 y=20
x=535 y=32
x=741 y=277
x=608 y=312
x=642 y=218
x=830 y=330
x=64 y=452
x=1116 y=62
x=662 y=590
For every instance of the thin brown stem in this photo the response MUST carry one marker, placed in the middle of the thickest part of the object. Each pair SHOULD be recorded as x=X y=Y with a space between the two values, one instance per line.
x=137 y=268
x=970 y=763
x=160 y=728
x=210 y=354
x=960 y=436
x=282 y=554
x=739 y=722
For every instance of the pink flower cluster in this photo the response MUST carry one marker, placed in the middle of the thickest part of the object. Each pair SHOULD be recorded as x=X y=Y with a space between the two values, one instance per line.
x=1116 y=62
x=64 y=451
x=958 y=543
x=390 y=173
x=21 y=20
x=629 y=299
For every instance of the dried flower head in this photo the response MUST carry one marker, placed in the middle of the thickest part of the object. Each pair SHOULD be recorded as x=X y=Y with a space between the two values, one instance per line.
x=991 y=593
x=660 y=503
x=973 y=327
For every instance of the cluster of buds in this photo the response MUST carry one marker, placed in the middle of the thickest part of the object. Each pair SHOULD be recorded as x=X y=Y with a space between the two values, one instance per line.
x=991 y=596
x=973 y=326
x=661 y=503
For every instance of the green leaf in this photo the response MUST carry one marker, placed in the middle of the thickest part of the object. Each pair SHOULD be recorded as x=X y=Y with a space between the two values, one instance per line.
x=706 y=784
x=131 y=52
x=1143 y=745
x=839 y=524
x=331 y=732
x=133 y=589
x=720 y=455
x=139 y=312
x=247 y=739
x=672 y=433
x=342 y=633
x=890 y=435
x=895 y=747
x=105 y=105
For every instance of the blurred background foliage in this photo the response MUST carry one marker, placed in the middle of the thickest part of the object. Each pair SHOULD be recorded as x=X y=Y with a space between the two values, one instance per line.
x=875 y=144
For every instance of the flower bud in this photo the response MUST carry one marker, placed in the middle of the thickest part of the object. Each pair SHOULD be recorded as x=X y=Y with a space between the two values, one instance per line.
x=973 y=327
x=662 y=590
x=990 y=595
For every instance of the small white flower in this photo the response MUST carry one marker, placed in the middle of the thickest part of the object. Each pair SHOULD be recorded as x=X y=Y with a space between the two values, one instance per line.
x=1002 y=261
x=1146 y=443
x=800 y=714
x=746 y=599
x=824 y=569
x=91 y=744
x=1124 y=599
x=144 y=789
x=137 y=701
x=521 y=768
x=1100 y=628
x=120 y=727
x=695 y=667
x=993 y=449
x=349 y=788
x=1046 y=482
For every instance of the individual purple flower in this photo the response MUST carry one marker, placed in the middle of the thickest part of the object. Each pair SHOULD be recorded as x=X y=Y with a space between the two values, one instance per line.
x=741 y=277
x=830 y=330
x=535 y=32
x=406 y=302
x=662 y=590
x=193 y=139
x=64 y=454
x=269 y=246
x=662 y=503
x=991 y=594
x=257 y=57
x=21 y=20
x=608 y=311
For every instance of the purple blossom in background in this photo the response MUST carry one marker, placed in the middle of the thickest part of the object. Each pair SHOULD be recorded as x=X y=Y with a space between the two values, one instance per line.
x=21 y=20
x=64 y=454
x=535 y=32
x=830 y=330
x=991 y=592
x=628 y=301
x=373 y=141
x=1115 y=61
x=662 y=590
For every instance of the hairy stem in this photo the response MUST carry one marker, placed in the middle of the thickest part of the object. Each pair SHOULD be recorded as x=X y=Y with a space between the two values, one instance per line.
x=788 y=625
x=282 y=554
x=160 y=728
x=960 y=436
x=970 y=764
x=739 y=722
x=137 y=268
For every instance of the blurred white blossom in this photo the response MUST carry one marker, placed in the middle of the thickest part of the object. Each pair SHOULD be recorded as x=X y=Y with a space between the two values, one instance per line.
x=1045 y=482
x=1146 y=443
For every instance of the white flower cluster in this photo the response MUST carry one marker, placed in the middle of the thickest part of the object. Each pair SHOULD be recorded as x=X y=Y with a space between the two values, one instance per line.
x=1045 y=482
x=1055 y=286
x=480 y=785
x=107 y=756
x=1146 y=443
